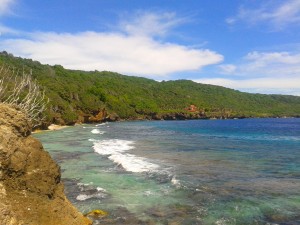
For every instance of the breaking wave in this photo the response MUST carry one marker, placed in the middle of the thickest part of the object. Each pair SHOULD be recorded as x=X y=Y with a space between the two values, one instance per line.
x=117 y=151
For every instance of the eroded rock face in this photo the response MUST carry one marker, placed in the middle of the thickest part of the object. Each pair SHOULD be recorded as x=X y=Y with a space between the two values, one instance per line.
x=31 y=191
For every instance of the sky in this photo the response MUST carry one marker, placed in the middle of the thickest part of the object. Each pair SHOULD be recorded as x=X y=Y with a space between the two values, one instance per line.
x=247 y=45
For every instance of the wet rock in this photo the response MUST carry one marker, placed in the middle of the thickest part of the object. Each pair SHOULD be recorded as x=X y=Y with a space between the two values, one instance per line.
x=174 y=214
x=121 y=216
x=156 y=212
x=96 y=214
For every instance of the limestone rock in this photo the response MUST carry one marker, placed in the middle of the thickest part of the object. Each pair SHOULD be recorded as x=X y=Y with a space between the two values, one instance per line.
x=31 y=191
x=98 y=117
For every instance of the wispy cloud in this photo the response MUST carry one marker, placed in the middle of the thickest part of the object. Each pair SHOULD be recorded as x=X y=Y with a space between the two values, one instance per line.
x=259 y=85
x=7 y=30
x=5 y=6
x=6 y=9
x=265 y=64
x=277 y=14
x=131 y=50
x=151 y=24
x=228 y=68
x=265 y=72
x=256 y=83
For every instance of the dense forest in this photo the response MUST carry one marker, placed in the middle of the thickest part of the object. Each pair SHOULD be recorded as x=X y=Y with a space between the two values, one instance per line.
x=80 y=96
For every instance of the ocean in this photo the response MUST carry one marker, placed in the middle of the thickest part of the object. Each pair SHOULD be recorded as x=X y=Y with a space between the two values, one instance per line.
x=182 y=172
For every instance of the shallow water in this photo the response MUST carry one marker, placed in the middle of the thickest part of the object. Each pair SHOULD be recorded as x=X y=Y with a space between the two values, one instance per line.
x=184 y=172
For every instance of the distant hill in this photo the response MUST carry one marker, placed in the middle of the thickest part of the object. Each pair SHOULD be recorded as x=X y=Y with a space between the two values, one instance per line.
x=80 y=96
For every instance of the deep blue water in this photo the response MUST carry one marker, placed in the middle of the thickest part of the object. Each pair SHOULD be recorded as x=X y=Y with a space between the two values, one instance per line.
x=184 y=172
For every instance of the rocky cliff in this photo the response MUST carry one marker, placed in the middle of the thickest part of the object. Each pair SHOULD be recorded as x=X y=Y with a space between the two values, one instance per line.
x=31 y=191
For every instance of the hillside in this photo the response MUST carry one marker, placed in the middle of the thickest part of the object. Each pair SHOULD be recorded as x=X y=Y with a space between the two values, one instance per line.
x=79 y=96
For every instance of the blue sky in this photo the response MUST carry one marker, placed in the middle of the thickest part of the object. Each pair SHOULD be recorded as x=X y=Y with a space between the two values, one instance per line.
x=248 y=45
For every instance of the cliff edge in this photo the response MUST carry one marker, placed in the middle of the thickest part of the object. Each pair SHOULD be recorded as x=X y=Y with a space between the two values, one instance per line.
x=31 y=191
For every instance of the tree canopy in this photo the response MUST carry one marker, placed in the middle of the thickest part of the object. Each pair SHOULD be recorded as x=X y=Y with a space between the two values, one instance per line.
x=73 y=92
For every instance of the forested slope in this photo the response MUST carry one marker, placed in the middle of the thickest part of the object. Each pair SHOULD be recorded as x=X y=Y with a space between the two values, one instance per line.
x=79 y=96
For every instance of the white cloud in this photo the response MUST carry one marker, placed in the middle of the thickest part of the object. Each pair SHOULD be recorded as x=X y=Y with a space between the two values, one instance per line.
x=228 y=68
x=7 y=30
x=266 y=64
x=258 y=85
x=5 y=9
x=274 y=57
x=230 y=20
x=278 y=14
x=128 y=54
x=150 y=24
x=264 y=72
x=134 y=49
x=5 y=6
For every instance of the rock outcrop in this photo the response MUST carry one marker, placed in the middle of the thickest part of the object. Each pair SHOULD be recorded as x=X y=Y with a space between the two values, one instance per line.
x=31 y=191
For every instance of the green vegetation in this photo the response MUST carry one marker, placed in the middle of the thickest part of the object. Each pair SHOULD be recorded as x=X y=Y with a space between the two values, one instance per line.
x=74 y=94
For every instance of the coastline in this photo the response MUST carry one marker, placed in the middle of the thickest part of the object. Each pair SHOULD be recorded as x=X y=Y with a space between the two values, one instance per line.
x=55 y=127
x=52 y=127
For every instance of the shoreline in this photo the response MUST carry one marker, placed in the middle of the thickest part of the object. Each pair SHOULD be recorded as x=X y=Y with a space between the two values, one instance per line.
x=54 y=127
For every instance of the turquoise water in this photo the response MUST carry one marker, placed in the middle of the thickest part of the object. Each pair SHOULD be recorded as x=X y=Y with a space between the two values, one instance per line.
x=184 y=172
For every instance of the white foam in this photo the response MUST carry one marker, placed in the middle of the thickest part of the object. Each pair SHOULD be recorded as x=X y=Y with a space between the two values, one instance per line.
x=133 y=163
x=83 y=197
x=148 y=193
x=112 y=146
x=101 y=189
x=101 y=124
x=89 y=191
x=175 y=182
x=84 y=185
x=89 y=186
x=93 y=140
x=97 y=131
x=116 y=150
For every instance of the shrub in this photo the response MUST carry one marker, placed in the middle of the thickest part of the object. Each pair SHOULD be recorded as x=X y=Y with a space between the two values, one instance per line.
x=22 y=92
